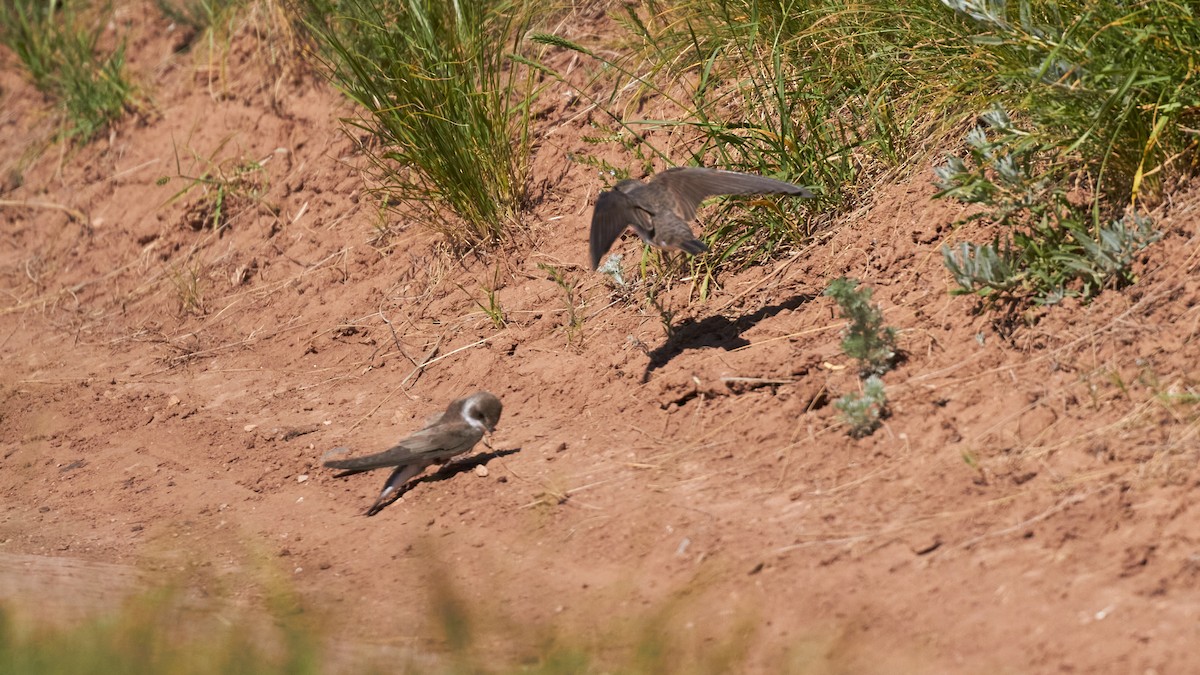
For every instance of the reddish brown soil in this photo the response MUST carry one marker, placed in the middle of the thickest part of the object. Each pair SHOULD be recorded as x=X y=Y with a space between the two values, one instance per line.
x=167 y=392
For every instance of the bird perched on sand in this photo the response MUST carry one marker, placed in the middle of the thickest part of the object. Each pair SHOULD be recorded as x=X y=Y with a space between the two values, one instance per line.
x=452 y=433
x=660 y=210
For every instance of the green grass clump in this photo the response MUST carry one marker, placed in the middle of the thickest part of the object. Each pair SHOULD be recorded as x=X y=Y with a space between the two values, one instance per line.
x=829 y=91
x=222 y=189
x=59 y=49
x=448 y=108
x=1049 y=247
x=573 y=319
x=493 y=310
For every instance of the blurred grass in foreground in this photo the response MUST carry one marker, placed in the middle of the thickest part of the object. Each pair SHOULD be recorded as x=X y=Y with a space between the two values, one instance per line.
x=171 y=631
x=153 y=634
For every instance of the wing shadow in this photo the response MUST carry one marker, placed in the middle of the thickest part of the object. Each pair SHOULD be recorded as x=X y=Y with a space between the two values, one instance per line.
x=446 y=472
x=714 y=331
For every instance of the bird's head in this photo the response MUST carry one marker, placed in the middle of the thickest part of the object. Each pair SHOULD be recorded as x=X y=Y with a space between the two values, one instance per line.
x=482 y=411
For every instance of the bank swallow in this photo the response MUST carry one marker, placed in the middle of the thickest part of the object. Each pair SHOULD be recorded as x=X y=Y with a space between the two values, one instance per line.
x=452 y=433
x=660 y=210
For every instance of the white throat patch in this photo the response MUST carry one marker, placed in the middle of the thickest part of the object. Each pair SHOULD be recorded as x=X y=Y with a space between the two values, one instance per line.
x=471 y=419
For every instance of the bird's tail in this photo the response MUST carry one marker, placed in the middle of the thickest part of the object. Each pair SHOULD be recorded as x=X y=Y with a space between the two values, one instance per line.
x=341 y=463
x=392 y=457
x=357 y=464
x=693 y=246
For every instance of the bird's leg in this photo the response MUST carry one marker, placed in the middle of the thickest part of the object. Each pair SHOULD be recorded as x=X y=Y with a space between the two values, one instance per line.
x=390 y=489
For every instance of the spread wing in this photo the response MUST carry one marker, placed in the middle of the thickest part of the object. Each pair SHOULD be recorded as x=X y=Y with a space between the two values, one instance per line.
x=614 y=211
x=425 y=446
x=692 y=185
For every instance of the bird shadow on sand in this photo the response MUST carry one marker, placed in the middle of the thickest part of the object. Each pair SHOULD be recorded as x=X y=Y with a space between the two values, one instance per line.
x=447 y=471
x=715 y=331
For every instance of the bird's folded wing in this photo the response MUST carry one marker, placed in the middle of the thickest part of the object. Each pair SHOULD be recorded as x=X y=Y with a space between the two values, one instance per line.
x=394 y=456
x=613 y=213
x=425 y=446
x=692 y=185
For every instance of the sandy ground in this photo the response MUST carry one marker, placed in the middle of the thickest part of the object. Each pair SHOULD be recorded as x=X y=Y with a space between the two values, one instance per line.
x=167 y=393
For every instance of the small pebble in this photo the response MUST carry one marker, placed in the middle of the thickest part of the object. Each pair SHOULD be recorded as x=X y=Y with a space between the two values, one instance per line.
x=481 y=471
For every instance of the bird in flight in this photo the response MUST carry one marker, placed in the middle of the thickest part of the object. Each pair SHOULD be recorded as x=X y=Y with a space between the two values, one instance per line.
x=660 y=209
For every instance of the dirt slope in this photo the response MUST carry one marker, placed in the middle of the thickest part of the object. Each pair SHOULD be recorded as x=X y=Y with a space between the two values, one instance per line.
x=167 y=392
